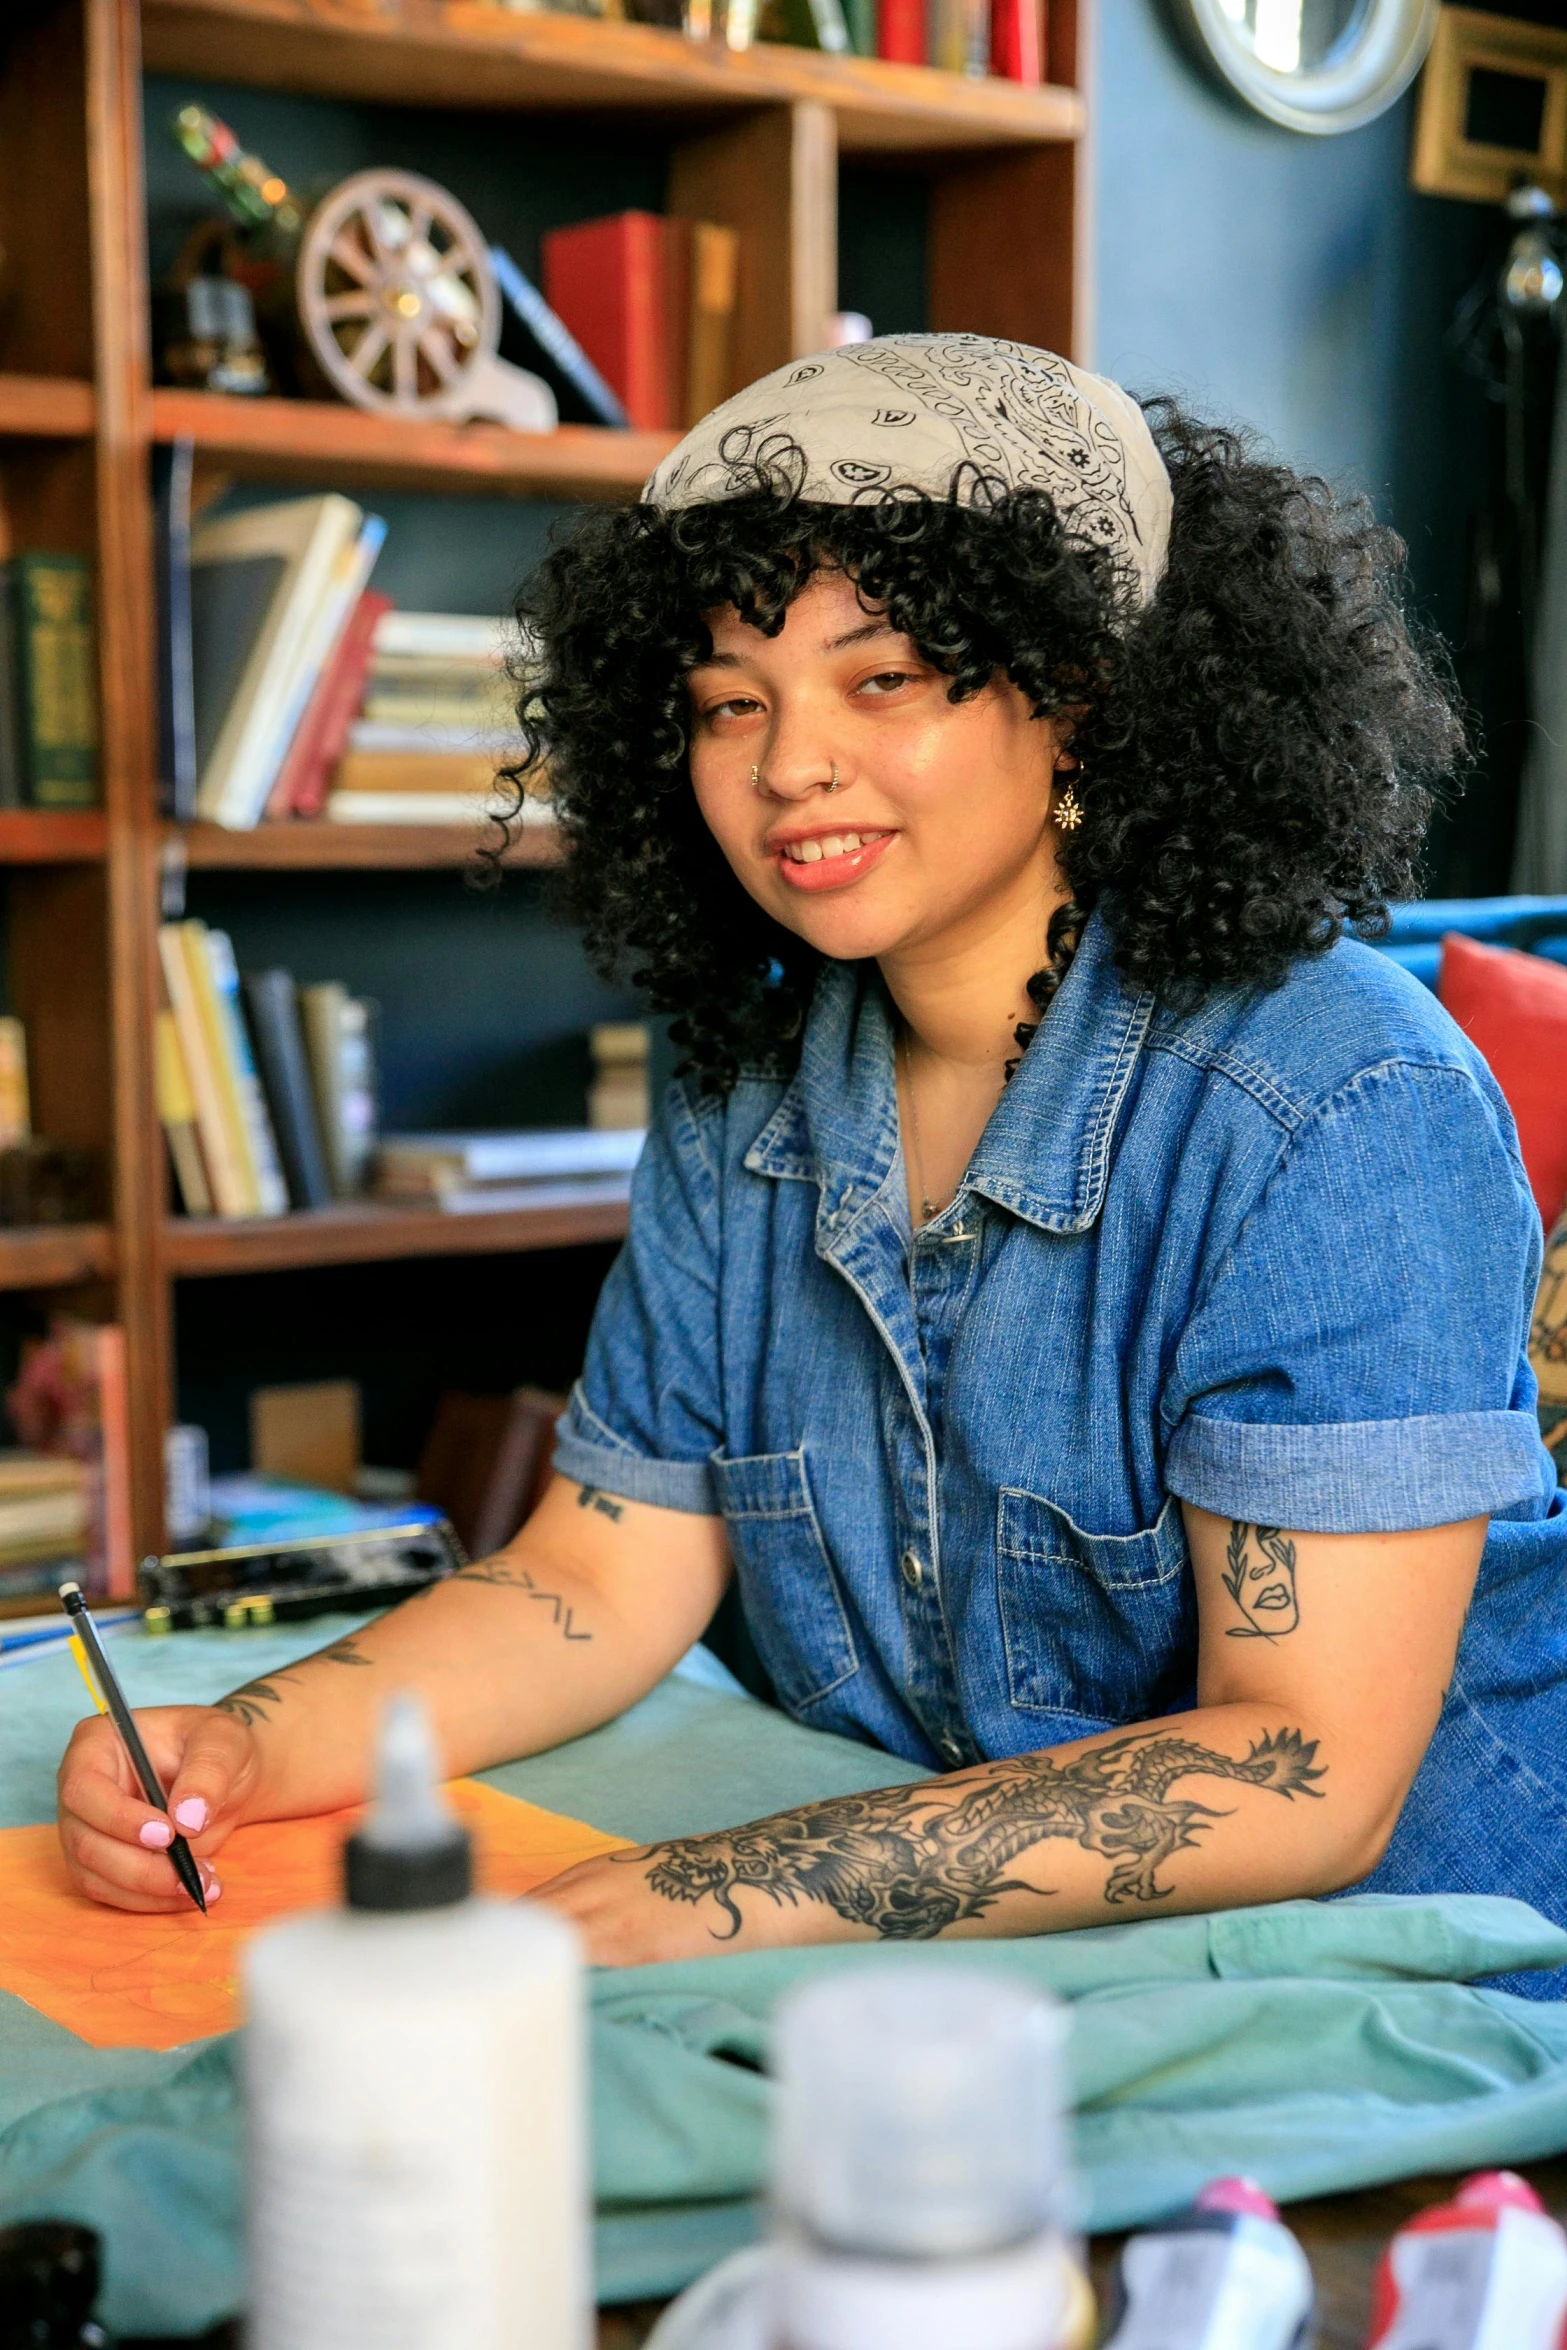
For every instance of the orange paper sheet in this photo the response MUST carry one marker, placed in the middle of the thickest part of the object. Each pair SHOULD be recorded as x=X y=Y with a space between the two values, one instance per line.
x=123 y=1981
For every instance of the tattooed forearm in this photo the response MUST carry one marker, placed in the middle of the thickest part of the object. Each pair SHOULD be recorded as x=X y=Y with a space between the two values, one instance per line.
x=1263 y=1588
x=507 y=1575
x=249 y=1705
x=909 y=1862
x=590 y=1498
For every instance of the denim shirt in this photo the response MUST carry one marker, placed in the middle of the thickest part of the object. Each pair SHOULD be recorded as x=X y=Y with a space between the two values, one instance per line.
x=1275 y=1257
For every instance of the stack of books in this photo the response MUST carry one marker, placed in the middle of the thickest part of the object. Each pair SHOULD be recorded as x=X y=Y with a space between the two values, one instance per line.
x=266 y=1091
x=45 y=1519
x=66 y=1497
x=436 y=724
x=291 y=688
x=480 y=1174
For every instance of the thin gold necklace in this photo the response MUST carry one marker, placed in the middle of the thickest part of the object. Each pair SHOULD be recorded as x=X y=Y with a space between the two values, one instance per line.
x=928 y=1207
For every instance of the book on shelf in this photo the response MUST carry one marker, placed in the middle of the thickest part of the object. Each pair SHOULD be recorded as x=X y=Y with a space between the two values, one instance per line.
x=334 y=627
x=341 y=1048
x=232 y=1121
x=271 y=589
x=69 y=1404
x=651 y=298
x=16 y=1112
x=173 y=475
x=50 y=683
x=460 y=1171
x=322 y=734
x=1017 y=40
x=620 y=1095
x=272 y=1002
x=177 y=1116
x=554 y=349
x=900 y=31
x=45 y=1508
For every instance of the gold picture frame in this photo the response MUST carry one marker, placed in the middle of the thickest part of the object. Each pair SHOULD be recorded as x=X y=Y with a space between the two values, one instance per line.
x=1448 y=160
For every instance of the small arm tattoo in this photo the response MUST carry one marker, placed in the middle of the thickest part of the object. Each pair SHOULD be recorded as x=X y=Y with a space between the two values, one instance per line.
x=910 y=1862
x=345 y=1652
x=507 y=1575
x=249 y=1705
x=590 y=1498
x=1262 y=1588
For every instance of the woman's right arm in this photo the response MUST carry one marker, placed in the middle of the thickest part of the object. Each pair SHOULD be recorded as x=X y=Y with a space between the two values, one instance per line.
x=563 y=1629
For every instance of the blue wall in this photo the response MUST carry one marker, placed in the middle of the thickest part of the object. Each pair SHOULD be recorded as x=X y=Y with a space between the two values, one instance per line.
x=1292 y=283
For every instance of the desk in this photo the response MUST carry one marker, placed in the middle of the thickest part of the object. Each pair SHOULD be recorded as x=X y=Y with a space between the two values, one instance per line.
x=1343 y=2236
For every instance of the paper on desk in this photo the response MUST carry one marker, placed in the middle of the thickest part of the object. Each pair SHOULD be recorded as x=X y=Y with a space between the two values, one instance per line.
x=119 y=1980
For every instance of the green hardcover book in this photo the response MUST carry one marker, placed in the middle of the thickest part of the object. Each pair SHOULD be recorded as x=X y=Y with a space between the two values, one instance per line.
x=860 y=18
x=54 y=667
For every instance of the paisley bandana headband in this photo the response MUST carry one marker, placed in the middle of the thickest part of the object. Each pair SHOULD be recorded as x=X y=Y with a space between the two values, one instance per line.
x=941 y=415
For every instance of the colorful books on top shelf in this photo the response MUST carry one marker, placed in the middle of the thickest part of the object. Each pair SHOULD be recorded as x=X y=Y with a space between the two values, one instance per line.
x=266 y=1092
x=48 y=687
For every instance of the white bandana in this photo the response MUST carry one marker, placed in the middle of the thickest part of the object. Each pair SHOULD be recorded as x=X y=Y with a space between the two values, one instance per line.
x=943 y=415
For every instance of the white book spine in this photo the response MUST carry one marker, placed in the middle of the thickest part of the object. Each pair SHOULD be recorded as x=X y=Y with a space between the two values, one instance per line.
x=252 y=1101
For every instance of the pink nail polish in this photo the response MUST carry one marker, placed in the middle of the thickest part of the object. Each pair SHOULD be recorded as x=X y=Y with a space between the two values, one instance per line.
x=157 y=1835
x=191 y=1815
x=212 y=1889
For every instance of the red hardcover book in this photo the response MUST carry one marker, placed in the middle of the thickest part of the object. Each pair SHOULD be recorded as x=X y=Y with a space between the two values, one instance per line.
x=900 y=31
x=1017 y=40
x=321 y=736
x=622 y=286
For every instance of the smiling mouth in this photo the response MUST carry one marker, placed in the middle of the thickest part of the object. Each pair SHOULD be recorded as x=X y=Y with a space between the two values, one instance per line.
x=822 y=851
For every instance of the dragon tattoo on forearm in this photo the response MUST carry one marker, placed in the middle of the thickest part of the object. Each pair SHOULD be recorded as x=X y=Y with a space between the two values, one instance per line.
x=910 y=1862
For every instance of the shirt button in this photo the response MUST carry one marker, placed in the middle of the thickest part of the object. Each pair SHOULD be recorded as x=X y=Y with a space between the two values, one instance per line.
x=913 y=1569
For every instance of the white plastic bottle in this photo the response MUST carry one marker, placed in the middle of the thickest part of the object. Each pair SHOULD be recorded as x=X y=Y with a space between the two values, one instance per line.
x=414 y=2064
x=921 y=2188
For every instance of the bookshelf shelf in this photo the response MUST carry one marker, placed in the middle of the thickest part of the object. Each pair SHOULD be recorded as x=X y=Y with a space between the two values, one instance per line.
x=301 y=440
x=32 y=836
x=360 y=1232
x=353 y=848
x=44 y=1256
x=469 y=53
x=46 y=407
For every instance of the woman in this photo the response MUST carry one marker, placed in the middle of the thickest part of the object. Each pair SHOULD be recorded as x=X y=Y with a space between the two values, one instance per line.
x=1080 y=1291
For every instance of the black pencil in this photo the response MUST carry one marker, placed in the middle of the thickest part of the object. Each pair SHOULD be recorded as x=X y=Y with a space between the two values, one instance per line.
x=120 y=1714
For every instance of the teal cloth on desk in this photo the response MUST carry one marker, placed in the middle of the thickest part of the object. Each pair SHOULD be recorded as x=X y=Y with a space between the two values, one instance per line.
x=1314 y=2045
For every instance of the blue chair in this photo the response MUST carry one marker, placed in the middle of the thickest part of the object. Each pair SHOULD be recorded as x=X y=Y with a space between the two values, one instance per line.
x=1537 y=925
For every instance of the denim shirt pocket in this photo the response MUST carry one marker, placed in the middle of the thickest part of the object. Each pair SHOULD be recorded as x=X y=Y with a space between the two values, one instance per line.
x=788 y=1585
x=1101 y=1628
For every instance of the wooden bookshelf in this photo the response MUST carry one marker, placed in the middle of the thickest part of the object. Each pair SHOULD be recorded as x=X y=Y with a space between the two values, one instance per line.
x=752 y=140
x=469 y=53
x=34 y=836
x=321 y=440
x=46 y=408
x=353 y=848
x=48 y=1256
x=362 y=1232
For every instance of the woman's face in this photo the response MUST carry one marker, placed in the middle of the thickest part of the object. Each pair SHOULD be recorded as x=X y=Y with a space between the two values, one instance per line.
x=941 y=817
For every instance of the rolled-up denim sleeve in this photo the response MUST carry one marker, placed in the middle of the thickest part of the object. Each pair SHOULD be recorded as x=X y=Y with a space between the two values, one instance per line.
x=644 y=1416
x=1356 y=1363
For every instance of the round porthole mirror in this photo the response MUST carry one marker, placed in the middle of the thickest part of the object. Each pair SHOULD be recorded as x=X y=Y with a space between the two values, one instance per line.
x=1313 y=65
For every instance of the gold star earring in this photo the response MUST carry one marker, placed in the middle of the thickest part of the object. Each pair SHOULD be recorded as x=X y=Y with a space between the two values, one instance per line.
x=1068 y=810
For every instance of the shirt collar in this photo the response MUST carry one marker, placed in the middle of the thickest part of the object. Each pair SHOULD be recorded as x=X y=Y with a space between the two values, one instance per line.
x=1045 y=1154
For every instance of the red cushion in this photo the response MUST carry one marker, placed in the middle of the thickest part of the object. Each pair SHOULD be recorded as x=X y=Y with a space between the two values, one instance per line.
x=1514 y=1008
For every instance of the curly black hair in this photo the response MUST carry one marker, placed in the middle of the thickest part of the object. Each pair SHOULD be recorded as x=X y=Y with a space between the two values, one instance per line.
x=1259 y=746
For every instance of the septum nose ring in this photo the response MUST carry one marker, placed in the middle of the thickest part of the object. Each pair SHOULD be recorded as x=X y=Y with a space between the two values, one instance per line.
x=756 y=778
